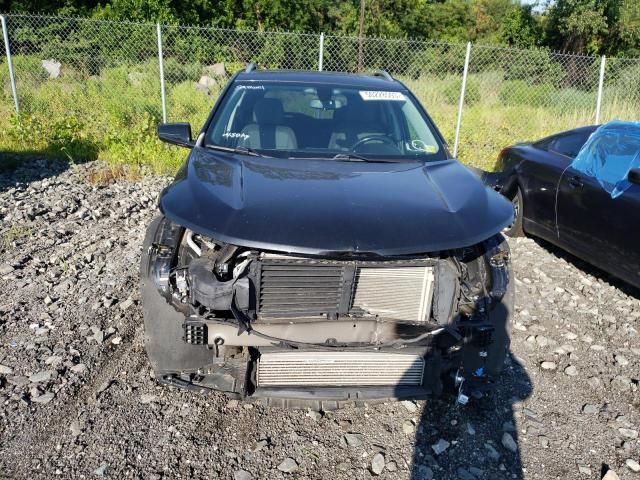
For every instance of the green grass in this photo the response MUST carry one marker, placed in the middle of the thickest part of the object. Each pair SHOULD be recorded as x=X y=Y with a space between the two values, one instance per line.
x=113 y=116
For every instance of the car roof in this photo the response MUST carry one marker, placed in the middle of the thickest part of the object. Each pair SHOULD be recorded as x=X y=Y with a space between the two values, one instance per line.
x=585 y=129
x=588 y=128
x=358 y=80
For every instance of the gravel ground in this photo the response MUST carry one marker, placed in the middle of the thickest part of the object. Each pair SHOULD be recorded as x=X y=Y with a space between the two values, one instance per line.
x=78 y=401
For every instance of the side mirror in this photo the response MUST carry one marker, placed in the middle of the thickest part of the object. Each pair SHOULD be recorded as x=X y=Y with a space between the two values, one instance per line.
x=634 y=176
x=176 y=134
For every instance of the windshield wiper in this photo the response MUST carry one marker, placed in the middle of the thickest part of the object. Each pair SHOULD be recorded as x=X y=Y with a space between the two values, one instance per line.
x=241 y=150
x=350 y=157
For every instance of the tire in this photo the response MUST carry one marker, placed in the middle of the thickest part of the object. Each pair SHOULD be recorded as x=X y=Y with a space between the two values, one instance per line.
x=516 y=229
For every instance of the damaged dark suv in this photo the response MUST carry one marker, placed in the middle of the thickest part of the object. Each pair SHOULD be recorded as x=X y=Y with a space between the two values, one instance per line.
x=321 y=245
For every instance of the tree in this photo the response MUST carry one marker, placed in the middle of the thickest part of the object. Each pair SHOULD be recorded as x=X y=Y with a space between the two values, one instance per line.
x=577 y=25
x=138 y=11
x=610 y=27
x=520 y=28
x=288 y=15
x=487 y=17
x=623 y=36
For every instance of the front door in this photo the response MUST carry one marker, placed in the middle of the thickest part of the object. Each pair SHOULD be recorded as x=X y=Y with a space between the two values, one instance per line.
x=542 y=175
x=604 y=231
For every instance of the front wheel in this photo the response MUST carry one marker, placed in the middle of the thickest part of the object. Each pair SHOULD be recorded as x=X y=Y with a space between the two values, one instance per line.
x=516 y=229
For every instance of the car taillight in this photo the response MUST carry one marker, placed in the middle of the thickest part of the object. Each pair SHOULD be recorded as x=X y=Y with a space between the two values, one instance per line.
x=500 y=159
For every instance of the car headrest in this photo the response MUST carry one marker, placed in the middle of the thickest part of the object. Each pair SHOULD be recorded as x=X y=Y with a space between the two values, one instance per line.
x=268 y=111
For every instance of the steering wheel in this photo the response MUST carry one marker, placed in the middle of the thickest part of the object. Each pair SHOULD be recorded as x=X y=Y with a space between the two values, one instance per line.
x=373 y=138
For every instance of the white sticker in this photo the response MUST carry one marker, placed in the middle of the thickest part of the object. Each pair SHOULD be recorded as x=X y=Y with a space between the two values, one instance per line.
x=382 y=95
x=250 y=87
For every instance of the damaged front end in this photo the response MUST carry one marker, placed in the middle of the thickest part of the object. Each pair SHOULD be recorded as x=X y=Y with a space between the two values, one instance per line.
x=294 y=330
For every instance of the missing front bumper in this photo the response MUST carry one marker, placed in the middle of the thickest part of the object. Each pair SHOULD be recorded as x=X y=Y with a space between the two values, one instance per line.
x=286 y=378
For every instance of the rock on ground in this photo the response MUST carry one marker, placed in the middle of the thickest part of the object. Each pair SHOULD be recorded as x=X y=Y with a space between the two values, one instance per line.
x=288 y=465
x=377 y=464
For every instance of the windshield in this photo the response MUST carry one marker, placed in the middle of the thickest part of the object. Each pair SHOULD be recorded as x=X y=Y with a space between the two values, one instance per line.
x=314 y=120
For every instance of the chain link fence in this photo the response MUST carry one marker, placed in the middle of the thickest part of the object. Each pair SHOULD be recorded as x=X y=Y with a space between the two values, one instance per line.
x=111 y=76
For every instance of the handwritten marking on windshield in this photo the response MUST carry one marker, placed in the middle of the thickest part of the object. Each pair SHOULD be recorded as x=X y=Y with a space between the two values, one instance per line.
x=240 y=135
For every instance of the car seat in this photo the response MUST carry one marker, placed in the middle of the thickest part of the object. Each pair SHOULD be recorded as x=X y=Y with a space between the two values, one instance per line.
x=268 y=132
x=354 y=123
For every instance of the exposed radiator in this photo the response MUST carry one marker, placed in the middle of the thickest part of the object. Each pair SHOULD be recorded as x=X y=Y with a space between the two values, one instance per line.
x=402 y=293
x=290 y=287
x=339 y=369
x=300 y=289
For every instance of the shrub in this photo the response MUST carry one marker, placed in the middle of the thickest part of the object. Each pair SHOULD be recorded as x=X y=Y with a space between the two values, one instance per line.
x=175 y=72
x=233 y=67
x=126 y=94
x=534 y=66
x=186 y=103
x=61 y=137
x=519 y=92
x=627 y=83
x=27 y=68
x=113 y=115
x=68 y=139
x=25 y=128
x=437 y=60
x=471 y=95
x=572 y=98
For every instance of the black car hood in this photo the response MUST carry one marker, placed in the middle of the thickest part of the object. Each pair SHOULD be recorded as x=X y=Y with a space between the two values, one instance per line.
x=326 y=207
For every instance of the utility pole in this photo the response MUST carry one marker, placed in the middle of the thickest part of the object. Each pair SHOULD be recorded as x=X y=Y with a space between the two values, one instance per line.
x=360 y=33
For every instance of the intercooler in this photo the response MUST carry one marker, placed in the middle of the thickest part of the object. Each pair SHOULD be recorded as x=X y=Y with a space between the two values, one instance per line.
x=339 y=369
x=310 y=288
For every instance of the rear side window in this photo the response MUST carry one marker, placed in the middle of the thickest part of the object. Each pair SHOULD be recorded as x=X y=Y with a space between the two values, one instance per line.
x=567 y=144
x=543 y=144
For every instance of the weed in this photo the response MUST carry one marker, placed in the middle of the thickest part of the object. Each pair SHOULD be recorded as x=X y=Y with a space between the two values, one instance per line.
x=15 y=234
x=106 y=173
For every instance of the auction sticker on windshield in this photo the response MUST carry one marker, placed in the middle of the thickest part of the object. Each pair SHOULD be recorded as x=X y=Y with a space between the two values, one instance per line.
x=381 y=95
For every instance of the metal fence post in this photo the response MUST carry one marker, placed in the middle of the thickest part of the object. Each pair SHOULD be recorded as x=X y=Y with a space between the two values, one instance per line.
x=321 y=54
x=12 y=79
x=161 y=63
x=461 y=104
x=603 y=61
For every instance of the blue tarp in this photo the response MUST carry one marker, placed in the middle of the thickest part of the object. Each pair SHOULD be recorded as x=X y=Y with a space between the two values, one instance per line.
x=608 y=155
